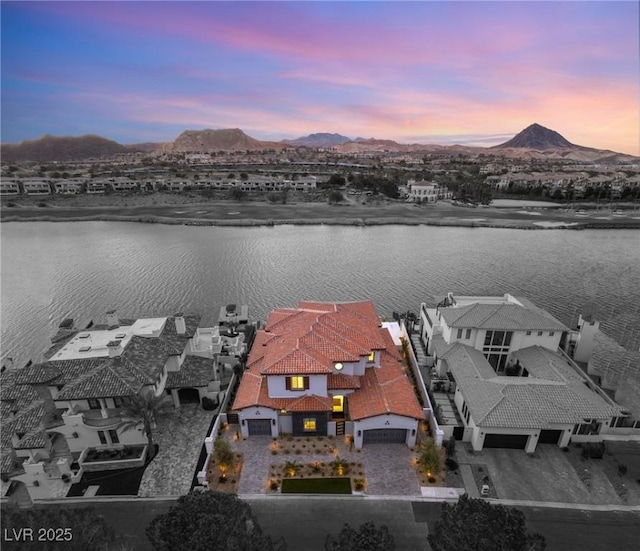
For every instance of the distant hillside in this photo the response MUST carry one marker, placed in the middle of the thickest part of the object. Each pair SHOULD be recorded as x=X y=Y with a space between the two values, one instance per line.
x=52 y=148
x=320 y=139
x=537 y=137
x=228 y=139
x=538 y=142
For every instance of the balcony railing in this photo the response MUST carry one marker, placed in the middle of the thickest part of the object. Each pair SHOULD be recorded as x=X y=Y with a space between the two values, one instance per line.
x=94 y=418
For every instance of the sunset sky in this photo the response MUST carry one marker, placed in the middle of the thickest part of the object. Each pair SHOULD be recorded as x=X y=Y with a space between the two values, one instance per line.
x=474 y=73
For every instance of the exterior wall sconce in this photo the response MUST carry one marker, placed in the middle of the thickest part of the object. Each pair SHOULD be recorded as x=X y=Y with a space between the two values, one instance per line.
x=273 y=422
x=359 y=433
x=413 y=432
x=244 y=422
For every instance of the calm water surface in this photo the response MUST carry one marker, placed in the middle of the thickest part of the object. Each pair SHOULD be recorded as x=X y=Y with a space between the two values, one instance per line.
x=51 y=271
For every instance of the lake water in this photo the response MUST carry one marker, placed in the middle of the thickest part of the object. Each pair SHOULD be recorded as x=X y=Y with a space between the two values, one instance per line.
x=51 y=271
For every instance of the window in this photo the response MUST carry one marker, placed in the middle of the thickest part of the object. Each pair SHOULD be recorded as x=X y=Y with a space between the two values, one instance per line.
x=372 y=356
x=552 y=333
x=528 y=333
x=309 y=424
x=496 y=348
x=114 y=437
x=459 y=333
x=103 y=438
x=93 y=403
x=468 y=335
x=297 y=382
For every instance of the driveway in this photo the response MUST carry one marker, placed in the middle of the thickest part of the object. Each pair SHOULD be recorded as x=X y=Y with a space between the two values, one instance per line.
x=552 y=475
x=387 y=467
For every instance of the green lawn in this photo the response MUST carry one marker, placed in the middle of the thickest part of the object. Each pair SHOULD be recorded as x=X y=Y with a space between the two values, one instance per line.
x=316 y=486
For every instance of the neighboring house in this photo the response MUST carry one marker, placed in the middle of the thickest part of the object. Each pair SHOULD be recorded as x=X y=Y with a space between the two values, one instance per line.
x=9 y=188
x=73 y=401
x=36 y=187
x=68 y=187
x=327 y=369
x=501 y=360
x=426 y=192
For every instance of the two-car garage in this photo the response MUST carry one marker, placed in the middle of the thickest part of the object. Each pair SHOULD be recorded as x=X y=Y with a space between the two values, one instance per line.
x=519 y=441
x=385 y=436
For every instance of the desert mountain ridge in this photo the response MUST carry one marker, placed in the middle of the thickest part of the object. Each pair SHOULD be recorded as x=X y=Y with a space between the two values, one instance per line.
x=534 y=142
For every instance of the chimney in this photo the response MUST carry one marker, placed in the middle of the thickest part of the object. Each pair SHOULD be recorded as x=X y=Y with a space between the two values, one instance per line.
x=112 y=319
x=114 y=349
x=181 y=327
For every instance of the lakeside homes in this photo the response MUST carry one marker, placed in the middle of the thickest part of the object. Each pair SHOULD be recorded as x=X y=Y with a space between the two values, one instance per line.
x=491 y=371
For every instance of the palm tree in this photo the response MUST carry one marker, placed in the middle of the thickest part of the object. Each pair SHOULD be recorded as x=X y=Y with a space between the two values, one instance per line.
x=145 y=409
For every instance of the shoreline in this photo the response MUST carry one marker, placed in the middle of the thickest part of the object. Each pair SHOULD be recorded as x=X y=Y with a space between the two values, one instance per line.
x=185 y=211
x=363 y=222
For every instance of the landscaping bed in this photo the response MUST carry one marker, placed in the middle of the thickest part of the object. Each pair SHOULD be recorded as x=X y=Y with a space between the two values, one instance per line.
x=317 y=486
x=227 y=482
x=319 y=470
x=298 y=445
x=481 y=476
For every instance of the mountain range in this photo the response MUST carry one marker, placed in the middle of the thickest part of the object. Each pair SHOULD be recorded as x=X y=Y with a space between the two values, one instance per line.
x=535 y=142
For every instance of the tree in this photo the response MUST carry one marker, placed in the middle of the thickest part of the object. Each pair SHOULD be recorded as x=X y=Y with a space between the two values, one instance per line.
x=335 y=197
x=146 y=409
x=367 y=537
x=430 y=457
x=476 y=525
x=336 y=181
x=237 y=194
x=223 y=454
x=202 y=521
x=76 y=529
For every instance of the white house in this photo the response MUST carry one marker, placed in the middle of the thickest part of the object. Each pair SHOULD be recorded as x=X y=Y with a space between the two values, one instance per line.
x=327 y=369
x=426 y=192
x=500 y=359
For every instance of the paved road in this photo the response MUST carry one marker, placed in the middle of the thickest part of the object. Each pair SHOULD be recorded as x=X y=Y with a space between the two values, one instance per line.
x=305 y=522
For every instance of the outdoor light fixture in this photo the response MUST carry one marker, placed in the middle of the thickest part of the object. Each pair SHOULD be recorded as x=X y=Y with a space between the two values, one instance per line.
x=359 y=433
x=273 y=421
x=244 y=422
x=338 y=366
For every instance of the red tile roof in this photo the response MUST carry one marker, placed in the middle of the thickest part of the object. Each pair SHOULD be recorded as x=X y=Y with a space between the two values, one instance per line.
x=310 y=340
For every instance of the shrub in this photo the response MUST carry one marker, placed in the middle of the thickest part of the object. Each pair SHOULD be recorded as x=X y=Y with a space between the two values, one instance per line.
x=593 y=450
x=273 y=486
x=451 y=464
x=431 y=480
x=450 y=446
x=622 y=469
x=208 y=403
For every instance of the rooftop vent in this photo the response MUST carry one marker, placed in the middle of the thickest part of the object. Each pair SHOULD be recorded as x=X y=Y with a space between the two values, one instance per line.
x=121 y=335
x=84 y=349
x=83 y=336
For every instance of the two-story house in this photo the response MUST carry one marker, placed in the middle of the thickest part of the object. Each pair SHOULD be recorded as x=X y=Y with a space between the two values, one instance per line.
x=327 y=369
x=501 y=358
x=76 y=397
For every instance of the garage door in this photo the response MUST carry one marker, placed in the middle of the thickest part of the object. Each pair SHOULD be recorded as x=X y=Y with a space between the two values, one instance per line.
x=514 y=441
x=259 y=427
x=549 y=436
x=385 y=436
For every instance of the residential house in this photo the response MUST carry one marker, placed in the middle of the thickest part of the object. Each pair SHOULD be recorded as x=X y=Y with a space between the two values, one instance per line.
x=73 y=401
x=426 y=192
x=36 y=187
x=501 y=361
x=9 y=188
x=327 y=369
x=68 y=187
